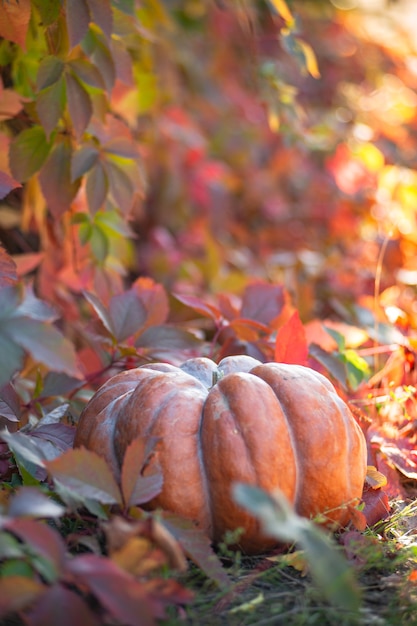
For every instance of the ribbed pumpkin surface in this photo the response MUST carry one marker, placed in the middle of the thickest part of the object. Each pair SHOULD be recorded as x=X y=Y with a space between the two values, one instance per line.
x=273 y=425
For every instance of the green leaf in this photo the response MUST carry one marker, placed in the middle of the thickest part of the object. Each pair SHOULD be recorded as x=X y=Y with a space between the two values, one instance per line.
x=50 y=105
x=48 y=9
x=329 y=569
x=86 y=473
x=28 y=152
x=79 y=105
x=100 y=244
x=112 y=223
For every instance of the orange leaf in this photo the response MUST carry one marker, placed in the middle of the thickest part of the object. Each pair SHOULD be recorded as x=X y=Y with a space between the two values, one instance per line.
x=14 y=21
x=291 y=343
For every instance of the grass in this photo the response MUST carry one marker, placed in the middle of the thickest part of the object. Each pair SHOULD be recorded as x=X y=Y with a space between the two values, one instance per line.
x=267 y=592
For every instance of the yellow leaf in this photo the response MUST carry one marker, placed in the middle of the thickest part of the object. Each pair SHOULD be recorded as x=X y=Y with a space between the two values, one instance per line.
x=310 y=58
x=374 y=478
x=282 y=9
x=371 y=157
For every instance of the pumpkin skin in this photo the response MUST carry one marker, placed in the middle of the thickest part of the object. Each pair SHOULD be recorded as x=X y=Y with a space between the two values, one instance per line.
x=273 y=425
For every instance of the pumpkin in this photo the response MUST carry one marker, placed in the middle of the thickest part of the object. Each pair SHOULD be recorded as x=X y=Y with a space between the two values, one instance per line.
x=273 y=425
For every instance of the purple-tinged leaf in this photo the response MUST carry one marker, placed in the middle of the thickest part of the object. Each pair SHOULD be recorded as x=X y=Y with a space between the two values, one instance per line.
x=79 y=105
x=87 y=474
x=18 y=592
x=97 y=187
x=55 y=178
x=7 y=184
x=120 y=146
x=25 y=448
x=101 y=311
x=123 y=62
x=60 y=436
x=59 y=605
x=44 y=343
x=197 y=547
x=42 y=539
x=78 y=19
x=83 y=160
x=50 y=105
x=87 y=73
x=121 y=187
x=28 y=152
x=96 y=47
x=262 y=302
x=8 y=275
x=11 y=358
x=199 y=305
x=49 y=72
x=31 y=502
x=36 y=309
x=9 y=403
x=138 y=488
x=101 y=14
x=58 y=384
x=124 y=597
x=164 y=338
x=127 y=314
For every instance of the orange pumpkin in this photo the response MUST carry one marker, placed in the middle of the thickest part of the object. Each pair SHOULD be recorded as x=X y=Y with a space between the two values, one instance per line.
x=273 y=425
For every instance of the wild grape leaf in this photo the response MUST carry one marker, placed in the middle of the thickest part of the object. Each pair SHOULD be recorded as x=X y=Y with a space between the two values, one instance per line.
x=101 y=14
x=49 y=72
x=291 y=342
x=87 y=474
x=123 y=62
x=197 y=547
x=50 y=105
x=79 y=105
x=120 y=186
x=48 y=10
x=96 y=48
x=200 y=306
x=60 y=605
x=101 y=311
x=8 y=274
x=154 y=298
x=43 y=342
x=86 y=73
x=14 y=21
x=59 y=436
x=28 y=152
x=9 y=403
x=83 y=160
x=31 y=502
x=127 y=314
x=123 y=596
x=7 y=184
x=136 y=487
x=33 y=307
x=11 y=358
x=163 y=338
x=377 y=506
x=263 y=302
x=78 y=19
x=97 y=187
x=123 y=147
x=55 y=178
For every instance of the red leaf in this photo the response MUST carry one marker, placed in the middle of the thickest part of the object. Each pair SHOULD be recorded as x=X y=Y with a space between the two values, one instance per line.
x=136 y=487
x=61 y=606
x=376 y=505
x=123 y=596
x=14 y=21
x=291 y=343
x=87 y=474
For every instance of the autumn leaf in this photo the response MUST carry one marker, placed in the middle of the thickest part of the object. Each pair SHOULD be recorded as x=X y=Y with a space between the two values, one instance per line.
x=14 y=21
x=291 y=343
